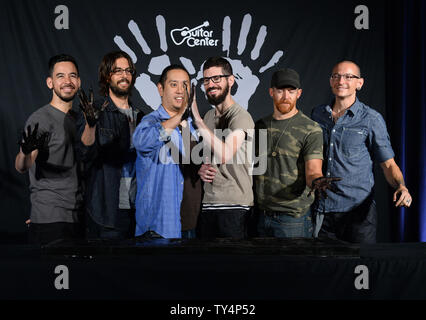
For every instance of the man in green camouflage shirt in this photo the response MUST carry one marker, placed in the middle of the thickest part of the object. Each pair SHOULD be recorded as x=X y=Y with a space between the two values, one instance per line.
x=294 y=159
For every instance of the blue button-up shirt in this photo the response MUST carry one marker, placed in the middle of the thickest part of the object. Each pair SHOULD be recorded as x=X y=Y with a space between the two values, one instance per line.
x=159 y=178
x=351 y=145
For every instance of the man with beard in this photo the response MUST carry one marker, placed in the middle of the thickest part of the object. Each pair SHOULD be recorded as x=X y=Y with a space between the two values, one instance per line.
x=47 y=153
x=226 y=131
x=105 y=129
x=355 y=136
x=294 y=161
x=169 y=188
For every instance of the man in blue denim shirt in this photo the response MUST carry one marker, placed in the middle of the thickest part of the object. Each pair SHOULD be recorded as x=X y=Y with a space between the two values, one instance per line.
x=354 y=137
x=105 y=127
x=162 y=141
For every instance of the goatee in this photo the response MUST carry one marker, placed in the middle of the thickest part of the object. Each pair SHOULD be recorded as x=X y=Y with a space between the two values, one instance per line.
x=64 y=98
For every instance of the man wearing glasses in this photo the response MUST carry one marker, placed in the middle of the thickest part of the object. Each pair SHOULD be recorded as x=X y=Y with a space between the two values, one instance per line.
x=354 y=136
x=226 y=130
x=105 y=127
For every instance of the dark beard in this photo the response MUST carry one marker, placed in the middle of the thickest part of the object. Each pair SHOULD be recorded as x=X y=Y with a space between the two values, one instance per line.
x=219 y=98
x=65 y=99
x=120 y=93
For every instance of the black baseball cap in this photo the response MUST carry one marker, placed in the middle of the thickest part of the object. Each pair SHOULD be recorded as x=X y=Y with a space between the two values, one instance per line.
x=285 y=78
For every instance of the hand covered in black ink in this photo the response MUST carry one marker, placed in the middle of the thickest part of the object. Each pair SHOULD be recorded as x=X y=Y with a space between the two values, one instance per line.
x=91 y=113
x=319 y=185
x=32 y=140
x=189 y=99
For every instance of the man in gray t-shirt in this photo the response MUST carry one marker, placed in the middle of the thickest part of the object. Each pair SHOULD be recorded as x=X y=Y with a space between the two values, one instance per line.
x=47 y=153
x=226 y=130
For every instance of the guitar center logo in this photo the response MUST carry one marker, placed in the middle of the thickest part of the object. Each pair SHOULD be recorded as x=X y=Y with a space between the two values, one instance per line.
x=195 y=37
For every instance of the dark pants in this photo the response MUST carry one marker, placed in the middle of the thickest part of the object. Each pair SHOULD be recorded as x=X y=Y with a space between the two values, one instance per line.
x=230 y=223
x=43 y=233
x=356 y=226
x=124 y=228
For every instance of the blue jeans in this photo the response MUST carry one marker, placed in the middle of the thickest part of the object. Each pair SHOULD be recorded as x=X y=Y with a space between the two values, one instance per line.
x=279 y=225
x=189 y=234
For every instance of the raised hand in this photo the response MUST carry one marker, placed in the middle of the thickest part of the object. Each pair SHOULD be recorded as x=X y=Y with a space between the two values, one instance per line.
x=319 y=185
x=189 y=99
x=31 y=140
x=91 y=113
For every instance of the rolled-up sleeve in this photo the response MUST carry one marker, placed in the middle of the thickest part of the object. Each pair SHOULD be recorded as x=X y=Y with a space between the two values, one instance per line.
x=380 y=141
x=150 y=135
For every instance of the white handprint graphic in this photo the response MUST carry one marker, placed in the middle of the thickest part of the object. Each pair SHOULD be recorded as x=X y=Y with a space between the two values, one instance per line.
x=247 y=81
x=144 y=84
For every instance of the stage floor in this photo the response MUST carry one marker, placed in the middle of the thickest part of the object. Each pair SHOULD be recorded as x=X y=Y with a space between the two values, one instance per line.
x=260 y=269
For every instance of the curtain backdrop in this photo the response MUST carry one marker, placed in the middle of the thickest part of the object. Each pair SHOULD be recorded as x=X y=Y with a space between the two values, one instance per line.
x=406 y=110
x=386 y=38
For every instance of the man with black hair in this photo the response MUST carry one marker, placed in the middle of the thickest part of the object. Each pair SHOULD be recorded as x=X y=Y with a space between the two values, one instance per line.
x=47 y=153
x=105 y=128
x=226 y=130
x=169 y=189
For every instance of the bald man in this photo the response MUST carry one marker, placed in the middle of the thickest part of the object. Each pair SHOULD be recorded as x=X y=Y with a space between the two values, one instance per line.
x=355 y=136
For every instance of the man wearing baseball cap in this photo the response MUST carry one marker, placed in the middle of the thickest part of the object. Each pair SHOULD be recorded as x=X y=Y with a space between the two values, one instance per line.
x=294 y=159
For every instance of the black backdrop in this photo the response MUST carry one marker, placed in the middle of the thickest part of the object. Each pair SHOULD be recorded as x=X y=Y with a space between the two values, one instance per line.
x=309 y=36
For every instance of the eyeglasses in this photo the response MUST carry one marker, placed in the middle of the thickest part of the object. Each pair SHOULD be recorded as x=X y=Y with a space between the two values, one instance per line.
x=346 y=76
x=120 y=71
x=215 y=79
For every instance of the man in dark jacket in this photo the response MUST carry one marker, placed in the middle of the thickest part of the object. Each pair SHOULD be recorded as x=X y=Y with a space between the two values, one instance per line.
x=105 y=128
